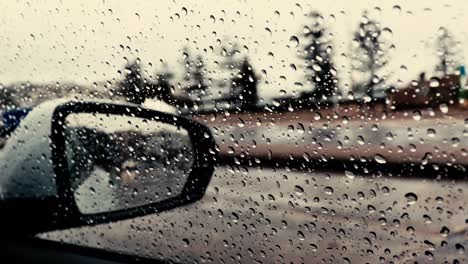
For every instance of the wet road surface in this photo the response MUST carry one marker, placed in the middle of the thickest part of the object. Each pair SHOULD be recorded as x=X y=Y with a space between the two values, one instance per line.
x=279 y=215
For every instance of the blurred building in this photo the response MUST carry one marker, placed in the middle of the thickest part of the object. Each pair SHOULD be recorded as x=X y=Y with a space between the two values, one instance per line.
x=425 y=92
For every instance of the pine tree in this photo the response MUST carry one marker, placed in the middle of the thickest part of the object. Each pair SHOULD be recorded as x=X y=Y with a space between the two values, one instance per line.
x=246 y=81
x=371 y=54
x=162 y=88
x=447 y=52
x=194 y=76
x=132 y=85
x=318 y=59
x=230 y=64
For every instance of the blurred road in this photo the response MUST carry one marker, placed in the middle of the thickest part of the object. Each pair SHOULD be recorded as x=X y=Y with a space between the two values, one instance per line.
x=416 y=138
x=278 y=215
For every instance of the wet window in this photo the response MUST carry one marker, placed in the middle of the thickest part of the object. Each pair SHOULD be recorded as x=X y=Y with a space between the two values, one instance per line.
x=341 y=128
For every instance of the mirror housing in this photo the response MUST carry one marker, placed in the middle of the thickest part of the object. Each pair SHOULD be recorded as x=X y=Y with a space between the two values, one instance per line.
x=61 y=211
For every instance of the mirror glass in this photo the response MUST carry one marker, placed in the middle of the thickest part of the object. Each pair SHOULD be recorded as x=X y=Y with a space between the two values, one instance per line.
x=118 y=162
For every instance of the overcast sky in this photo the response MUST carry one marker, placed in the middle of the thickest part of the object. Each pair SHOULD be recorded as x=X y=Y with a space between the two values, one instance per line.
x=86 y=41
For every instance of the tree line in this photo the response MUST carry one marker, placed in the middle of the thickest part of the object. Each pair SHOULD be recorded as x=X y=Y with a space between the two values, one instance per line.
x=369 y=56
x=194 y=89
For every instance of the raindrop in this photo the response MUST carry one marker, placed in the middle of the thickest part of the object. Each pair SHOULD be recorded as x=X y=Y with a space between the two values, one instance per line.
x=271 y=197
x=234 y=217
x=460 y=248
x=444 y=231
x=411 y=198
x=434 y=83
x=427 y=219
x=389 y=136
x=345 y=120
x=360 y=140
x=300 y=128
x=444 y=108
x=314 y=247
x=270 y=54
x=431 y=132
x=387 y=33
x=212 y=18
x=417 y=115
x=427 y=157
x=396 y=8
x=240 y=122
x=317 y=116
x=349 y=175
x=294 y=41
x=380 y=159
x=328 y=190
x=300 y=235
x=316 y=67
x=298 y=189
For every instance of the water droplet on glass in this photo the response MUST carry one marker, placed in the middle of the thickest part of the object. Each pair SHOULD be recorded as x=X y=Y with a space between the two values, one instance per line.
x=444 y=108
x=396 y=8
x=431 y=132
x=411 y=198
x=300 y=128
x=300 y=235
x=434 y=83
x=294 y=41
x=460 y=248
x=417 y=115
x=298 y=190
x=444 y=231
x=349 y=175
x=387 y=33
x=316 y=67
x=380 y=159
x=328 y=190
x=240 y=122
x=234 y=217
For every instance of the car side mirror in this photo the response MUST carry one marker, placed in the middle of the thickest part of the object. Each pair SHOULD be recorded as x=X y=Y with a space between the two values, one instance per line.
x=113 y=162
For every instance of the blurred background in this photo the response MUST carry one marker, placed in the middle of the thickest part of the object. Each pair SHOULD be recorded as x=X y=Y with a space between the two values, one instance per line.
x=337 y=117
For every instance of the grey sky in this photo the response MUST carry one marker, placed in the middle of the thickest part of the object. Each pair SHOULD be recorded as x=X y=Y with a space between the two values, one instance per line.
x=82 y=41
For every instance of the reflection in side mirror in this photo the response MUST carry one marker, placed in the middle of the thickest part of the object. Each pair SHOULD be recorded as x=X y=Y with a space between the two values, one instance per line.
x=118 y=162
x=114 y=162
x=100 y=162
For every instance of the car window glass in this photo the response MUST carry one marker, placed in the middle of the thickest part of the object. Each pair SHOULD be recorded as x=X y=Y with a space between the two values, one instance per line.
x=341 y=126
